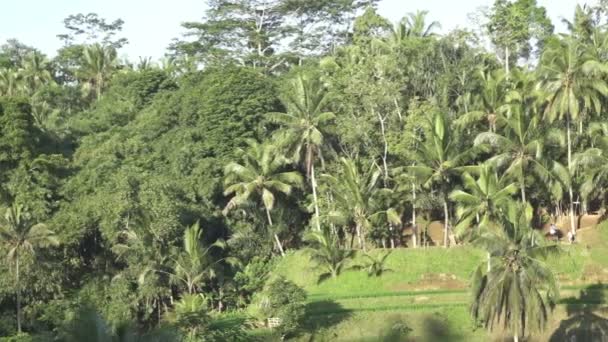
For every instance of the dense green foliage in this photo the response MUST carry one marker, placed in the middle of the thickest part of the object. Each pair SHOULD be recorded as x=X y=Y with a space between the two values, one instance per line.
x=161 y=201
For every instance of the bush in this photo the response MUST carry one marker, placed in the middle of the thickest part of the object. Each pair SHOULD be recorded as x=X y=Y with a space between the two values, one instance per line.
x=282 y=299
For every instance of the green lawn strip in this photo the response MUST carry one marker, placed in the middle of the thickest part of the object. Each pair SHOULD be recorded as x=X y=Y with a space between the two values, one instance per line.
x=410 y=307
x=422 y=307
x=323 y=296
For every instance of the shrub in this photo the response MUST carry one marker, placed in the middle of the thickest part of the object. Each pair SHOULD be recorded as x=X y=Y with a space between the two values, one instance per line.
x=282 y=299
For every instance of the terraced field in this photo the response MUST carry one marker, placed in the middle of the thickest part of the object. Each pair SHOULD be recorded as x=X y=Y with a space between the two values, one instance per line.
x=425 y=297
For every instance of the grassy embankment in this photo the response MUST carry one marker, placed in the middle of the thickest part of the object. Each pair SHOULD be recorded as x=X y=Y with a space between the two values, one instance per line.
x=426 y=291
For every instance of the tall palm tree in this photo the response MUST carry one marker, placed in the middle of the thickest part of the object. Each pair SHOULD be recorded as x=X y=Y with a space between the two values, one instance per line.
x=36 y=71
x=98 y=65
x=519 y=290
x=417 y=27
x=520 y=147
x=594 y=163
x=488 y=101
x=572 y=80
x=355 y=196
x=438 y=159
x=21 y=236
x=10 y=82
x=485 y=199
x=304 y=125
x=260 y=175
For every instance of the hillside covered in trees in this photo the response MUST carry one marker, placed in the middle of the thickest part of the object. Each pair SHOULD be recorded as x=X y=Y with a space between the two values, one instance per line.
x=167 y=200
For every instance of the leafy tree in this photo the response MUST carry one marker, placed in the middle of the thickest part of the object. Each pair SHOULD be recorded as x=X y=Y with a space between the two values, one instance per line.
x=21 y=237
x=512 y=26
x=261 y=176
x=90 y=28
x=520 y=290
x=281 y=299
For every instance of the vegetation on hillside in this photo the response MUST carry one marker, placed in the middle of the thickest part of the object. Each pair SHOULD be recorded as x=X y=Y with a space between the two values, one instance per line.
x=171 y=200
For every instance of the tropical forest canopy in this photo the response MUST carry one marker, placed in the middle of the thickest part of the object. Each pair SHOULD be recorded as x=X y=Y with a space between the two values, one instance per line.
x=154 y=197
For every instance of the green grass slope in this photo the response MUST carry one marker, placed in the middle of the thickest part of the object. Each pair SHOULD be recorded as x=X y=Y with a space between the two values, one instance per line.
x=425 y=294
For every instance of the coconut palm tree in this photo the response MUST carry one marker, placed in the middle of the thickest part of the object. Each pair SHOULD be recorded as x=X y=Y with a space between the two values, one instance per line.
x=98 y=65
x=260 y=175
x=326 y=251
x=21 y=236
x=485 y=199
x=520 y=146
x=416 y=26
x=438 y=159
x=36 y=71
x=519 y=290
x=594 y=163
x=304 y=125
x=573 y=83
x=354 y=194
x=195 y=264
x=488 y=101
x=10 y=82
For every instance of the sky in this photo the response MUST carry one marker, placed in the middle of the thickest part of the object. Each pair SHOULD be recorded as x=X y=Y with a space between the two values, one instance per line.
x=150 y=25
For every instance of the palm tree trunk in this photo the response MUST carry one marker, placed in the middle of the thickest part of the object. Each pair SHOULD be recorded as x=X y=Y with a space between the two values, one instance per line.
x=523 y=192
x=489 y=262
x=313 y=182
x=18 y=294
x=445 y=223
x=276 y=237
x=360 y=238
x=515 y=338
x=572 y=224
x=385 y=152
x=507 y=60
x=414 y=228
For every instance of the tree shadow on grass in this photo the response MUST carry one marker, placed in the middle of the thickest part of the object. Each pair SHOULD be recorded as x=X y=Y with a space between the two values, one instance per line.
x=322 y=315
x=436 y=327
x=584 y=322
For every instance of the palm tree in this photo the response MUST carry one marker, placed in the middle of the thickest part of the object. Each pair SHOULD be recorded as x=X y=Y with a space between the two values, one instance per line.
x=438 y=159
x=304 y=125
x=519 y=290
x=417 y=27
x=489 y=99
x=36 y=71
x=572 y=80
x=355 y=196
x=520 y=147
x=261 y=175
x=485 y=198
x=594 y=163
x=10 y=82
x=98 y=64
x=326 y=252
x=196 y=264
x=21 y=236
